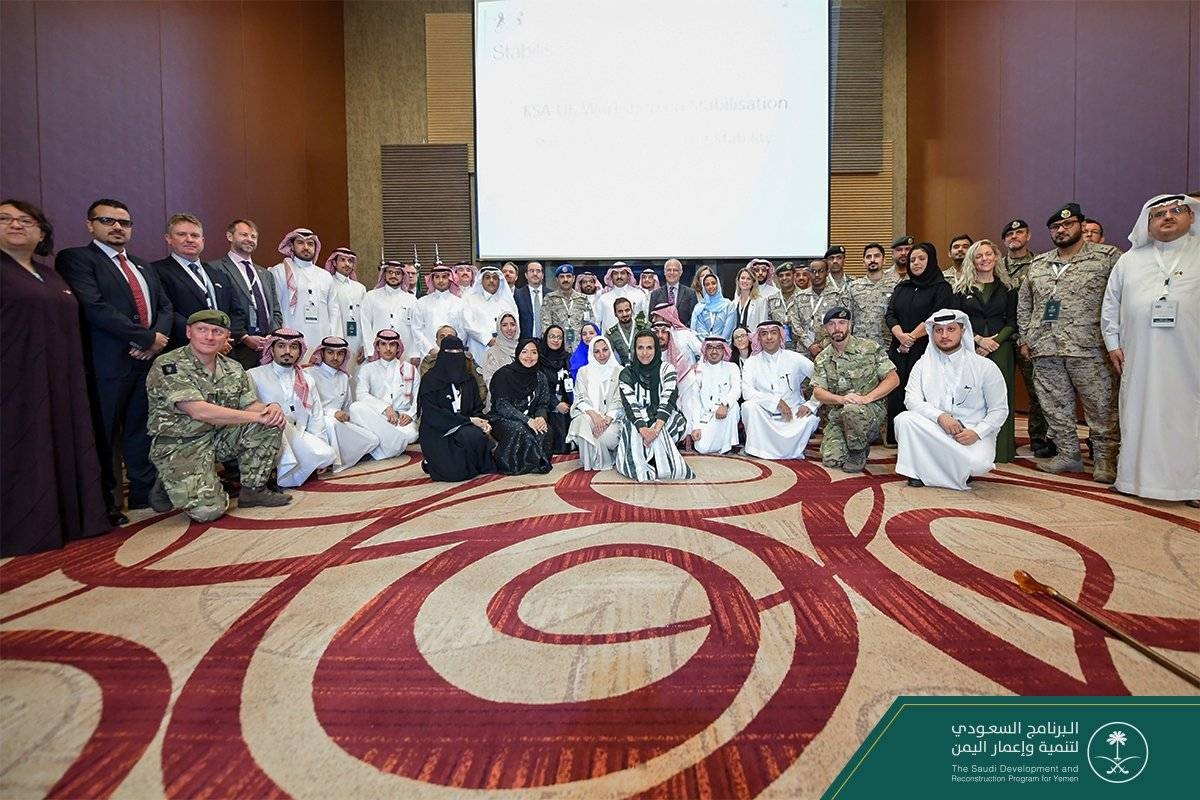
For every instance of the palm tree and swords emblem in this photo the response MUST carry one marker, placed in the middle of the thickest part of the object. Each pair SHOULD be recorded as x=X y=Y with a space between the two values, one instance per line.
x=1116 y=739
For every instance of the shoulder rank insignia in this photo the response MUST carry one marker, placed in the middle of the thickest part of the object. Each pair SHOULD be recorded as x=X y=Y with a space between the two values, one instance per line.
x=169 y=369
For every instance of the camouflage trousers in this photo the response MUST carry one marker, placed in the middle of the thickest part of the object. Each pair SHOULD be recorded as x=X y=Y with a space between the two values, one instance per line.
x=188 y=471
x=1037 y=419
x=1056 y=380
x=849 y=428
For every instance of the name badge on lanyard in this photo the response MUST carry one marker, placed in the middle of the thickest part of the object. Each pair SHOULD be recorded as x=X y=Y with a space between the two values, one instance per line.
x=1052 y=310
x=311 y=316
x=351 y=324
x=1162 y=313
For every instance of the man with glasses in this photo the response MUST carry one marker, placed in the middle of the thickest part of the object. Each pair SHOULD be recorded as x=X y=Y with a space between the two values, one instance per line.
x=1058 y=314
x=1151 y=326
x=128 y=319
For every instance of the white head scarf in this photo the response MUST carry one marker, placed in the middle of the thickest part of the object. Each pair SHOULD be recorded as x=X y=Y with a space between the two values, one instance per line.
x=600 y=376
x=1140 y=235
x=945 y=375
x=503 y=293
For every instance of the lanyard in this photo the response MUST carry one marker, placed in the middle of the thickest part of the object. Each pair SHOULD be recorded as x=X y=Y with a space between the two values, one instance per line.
x=1168 y=272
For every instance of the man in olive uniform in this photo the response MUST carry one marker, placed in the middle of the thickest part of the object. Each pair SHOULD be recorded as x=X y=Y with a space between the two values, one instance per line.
x=203 y=409
x=870 y=295
x=808 y=312
x=853 y=377
x=1058 y=314
x=1016 y=261
x=566 y=307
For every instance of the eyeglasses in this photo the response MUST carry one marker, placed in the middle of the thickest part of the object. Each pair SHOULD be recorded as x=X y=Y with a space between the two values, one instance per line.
x=1067 y=223
x=110 y=221
x=22 y=222
x=1177 y=211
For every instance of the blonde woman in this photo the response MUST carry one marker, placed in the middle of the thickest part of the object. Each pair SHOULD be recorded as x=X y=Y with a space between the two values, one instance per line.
x=750 y=302
x=984 y=292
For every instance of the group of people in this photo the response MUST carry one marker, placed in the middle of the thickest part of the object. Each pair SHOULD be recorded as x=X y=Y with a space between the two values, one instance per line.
x=192 y=371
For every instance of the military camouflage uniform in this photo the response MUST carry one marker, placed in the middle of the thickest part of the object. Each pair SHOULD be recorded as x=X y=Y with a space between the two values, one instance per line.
x=185 y=450
x=619 y=345
x=1018 y=268
x=859 y=369
x=568 y=315
x=1068 y=353
x=870 y=308
x=806 y=316
x=780 y=309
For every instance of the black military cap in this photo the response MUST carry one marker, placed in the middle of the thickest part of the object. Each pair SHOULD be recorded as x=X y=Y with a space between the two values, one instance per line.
x=836 y=250
x=906 y=240
x=837 y=312
x=1066 y=212
x=1014 y=225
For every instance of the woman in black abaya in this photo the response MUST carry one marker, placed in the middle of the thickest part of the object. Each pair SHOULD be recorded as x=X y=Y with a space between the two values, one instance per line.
x=520 y=409
x=454 y=434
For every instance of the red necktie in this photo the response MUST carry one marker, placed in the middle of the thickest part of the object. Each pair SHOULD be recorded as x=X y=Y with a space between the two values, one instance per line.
x=139 y=299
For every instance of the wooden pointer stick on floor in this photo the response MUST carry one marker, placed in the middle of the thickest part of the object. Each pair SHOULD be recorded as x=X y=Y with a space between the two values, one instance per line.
x=1031 y=586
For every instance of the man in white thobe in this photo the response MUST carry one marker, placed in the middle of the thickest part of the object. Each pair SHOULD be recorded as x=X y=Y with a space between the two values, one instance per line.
x=619 y=280
x=764 y=274
x=306 y=295
x=718 y=387
x=438 y=307
x=386 y=397
x=484 y=304
x=281 y=380
x=777 y=418
x=1150 y=320
x=342 y=264
x=957 y=402
x=328 y=369
x=389 y=306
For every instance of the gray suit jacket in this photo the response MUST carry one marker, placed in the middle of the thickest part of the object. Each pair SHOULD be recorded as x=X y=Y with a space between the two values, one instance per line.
x=685 y=301
x=242 y=294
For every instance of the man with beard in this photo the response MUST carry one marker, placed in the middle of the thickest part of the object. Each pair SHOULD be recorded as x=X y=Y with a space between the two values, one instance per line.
x=958 y=251
x=764 y=275
x=386 y=403
x=283 y=382
x=254 y=291
x=957 y=402
x=808 y=312
x=389 y=306
x=619 y=280
x=901 y=247
x=621 y=334
x=342 y=264
x=777 y=418
x=440 y=306
x=853 y=377
x=327 y=366
x=306 y=296
x=674 y=291
x=510 y=275
x=484 y=304
x=835 y=257
x=587 y=285
x=1058 y=313
x=870 y=294
x=1016 y=261
x=714 y=429
x=565 y=308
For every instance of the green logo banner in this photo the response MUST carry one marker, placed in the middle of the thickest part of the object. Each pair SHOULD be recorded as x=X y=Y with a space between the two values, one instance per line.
x=1063 y=747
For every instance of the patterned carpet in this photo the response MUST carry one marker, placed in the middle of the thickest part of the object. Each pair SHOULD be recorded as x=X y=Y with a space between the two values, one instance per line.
x=571 y=635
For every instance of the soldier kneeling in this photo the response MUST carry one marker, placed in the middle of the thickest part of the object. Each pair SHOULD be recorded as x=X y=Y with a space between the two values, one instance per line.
x=203 y=409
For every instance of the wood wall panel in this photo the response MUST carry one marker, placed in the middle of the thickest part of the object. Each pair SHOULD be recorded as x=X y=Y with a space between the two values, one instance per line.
x=860 y=209
x=450 y=81
x=1076 y=108
x=427 y=202
x=856 y=88
x=224 y=109
x=20 y=167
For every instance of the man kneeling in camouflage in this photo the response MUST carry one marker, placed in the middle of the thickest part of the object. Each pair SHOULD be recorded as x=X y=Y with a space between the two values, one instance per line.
x=203 y=409
x=853 y=377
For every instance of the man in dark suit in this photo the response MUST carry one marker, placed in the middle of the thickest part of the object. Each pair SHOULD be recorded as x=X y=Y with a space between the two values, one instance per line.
x=674 y=292
x=127 y=322
x=191 y=285
x=529 y=301
x=254 y=292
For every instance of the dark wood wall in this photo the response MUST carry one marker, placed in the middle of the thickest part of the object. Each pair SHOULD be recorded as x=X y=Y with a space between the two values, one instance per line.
x=220 y=109
x=1016 y=107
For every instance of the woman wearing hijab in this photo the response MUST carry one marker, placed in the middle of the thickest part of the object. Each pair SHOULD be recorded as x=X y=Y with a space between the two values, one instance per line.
x=520 y=411
x=983 y=290
x=555 y=362
x=715 y=314
x=646 y=444
x=503 y=351
x=454 y=434
x=587 y=332
x=597 y=408
x=914 y=299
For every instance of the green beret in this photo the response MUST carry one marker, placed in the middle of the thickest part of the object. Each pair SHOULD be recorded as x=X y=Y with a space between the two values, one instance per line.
x=210 y=315
x=903 y=241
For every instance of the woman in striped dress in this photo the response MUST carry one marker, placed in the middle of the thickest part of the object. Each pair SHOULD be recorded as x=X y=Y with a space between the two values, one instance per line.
x=646 y=448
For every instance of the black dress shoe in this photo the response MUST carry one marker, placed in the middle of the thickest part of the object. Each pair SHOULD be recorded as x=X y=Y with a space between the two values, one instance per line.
x=116 y=518
x=916 y=483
